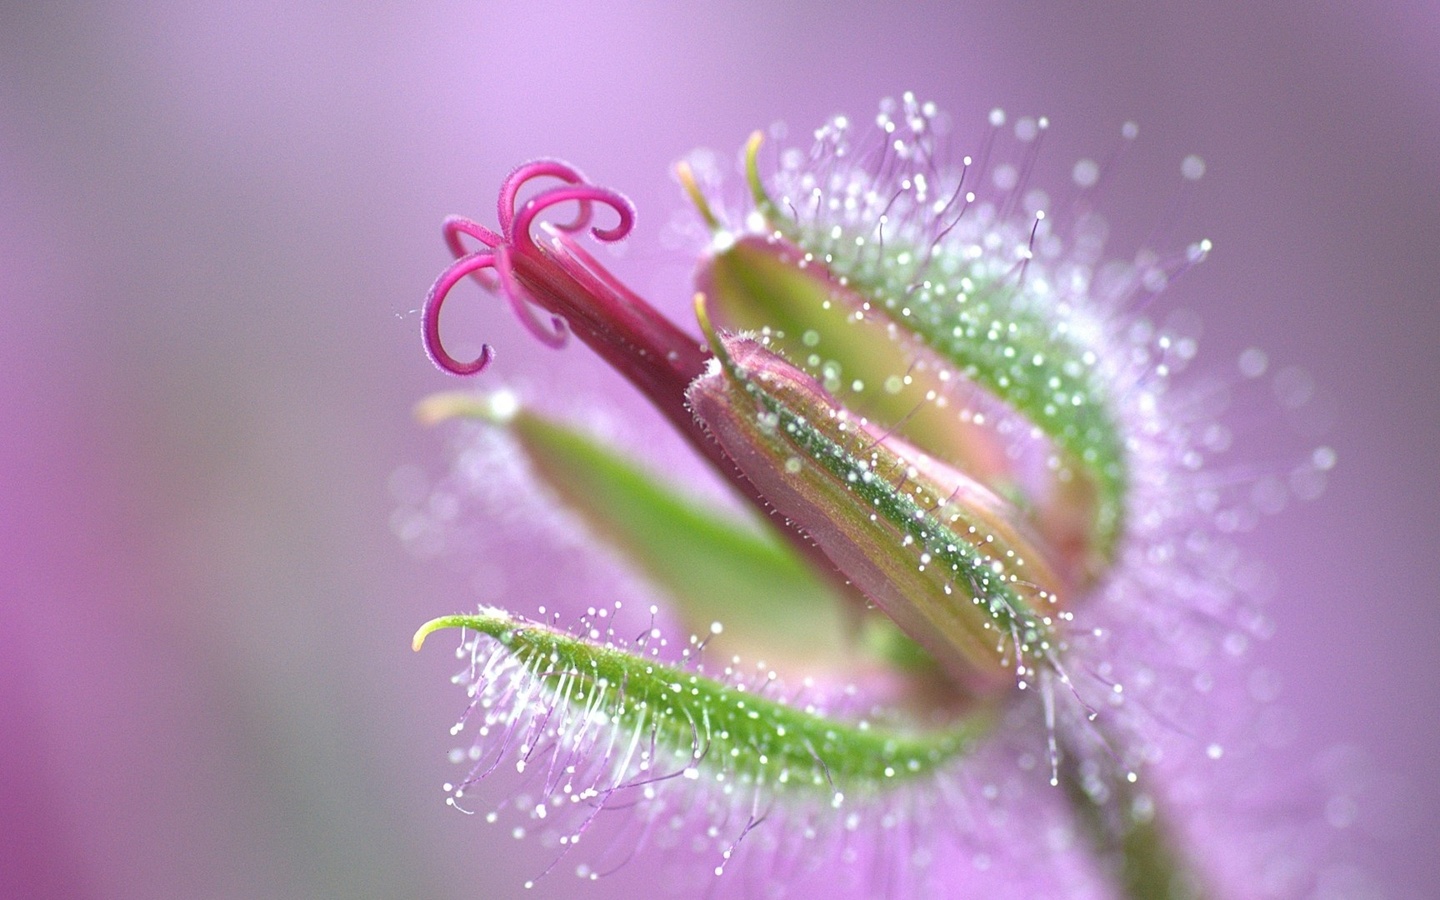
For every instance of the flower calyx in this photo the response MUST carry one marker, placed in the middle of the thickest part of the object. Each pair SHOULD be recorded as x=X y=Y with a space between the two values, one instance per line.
x=940 y=553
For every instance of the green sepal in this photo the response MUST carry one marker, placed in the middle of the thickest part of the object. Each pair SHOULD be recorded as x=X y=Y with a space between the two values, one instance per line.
x=855 y=308
x=715 y=567
x=940 y=554
x=765 y=286
x=716 y=726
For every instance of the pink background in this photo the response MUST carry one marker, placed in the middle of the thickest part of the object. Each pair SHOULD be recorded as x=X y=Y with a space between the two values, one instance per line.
x=215 y=229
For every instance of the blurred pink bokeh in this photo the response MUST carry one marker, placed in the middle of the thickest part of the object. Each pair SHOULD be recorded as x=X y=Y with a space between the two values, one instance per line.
x=217 y=228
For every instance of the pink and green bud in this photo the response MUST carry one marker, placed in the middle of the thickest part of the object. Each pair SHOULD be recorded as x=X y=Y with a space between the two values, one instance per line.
x=766 y=285
x=939 y=552
x=913 y=317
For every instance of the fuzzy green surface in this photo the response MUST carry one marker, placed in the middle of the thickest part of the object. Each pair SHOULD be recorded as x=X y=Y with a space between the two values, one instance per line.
x=715 y=567
x=716 y=727
x=970 y=568
x=998 y=335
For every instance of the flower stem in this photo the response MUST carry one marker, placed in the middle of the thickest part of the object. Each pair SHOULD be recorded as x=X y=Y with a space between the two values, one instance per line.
x=1129 y=837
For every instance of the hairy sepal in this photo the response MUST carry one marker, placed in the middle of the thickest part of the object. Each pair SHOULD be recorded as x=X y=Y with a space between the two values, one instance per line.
x=942 y=555
x=720 y=571
x=769 y=286
x=1003 y=336
x=843 y=293
x=641 y=720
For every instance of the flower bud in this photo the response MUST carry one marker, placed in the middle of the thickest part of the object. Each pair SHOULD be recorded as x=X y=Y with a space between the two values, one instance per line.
x=940 y=553
x=767 y=285
x=941 y=340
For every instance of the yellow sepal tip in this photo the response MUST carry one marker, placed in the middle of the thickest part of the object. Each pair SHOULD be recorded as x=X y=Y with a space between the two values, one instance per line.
x=430 y=627
x=686 y=174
